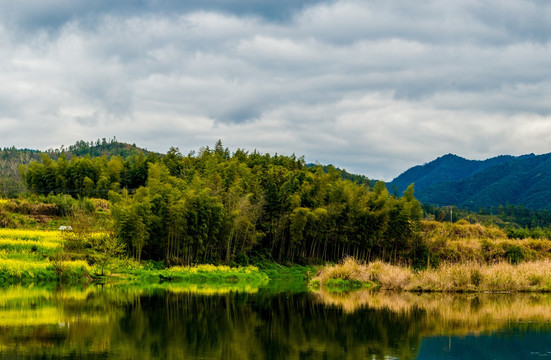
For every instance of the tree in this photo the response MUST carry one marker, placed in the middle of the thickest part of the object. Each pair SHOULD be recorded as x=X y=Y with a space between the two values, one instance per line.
x=104 y=249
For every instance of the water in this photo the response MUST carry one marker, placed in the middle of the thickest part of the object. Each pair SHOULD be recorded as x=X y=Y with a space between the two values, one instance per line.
x=193 y=322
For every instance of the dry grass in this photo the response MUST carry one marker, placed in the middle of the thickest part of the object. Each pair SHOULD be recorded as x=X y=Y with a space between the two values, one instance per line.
x=463 y=242
x=383 y=274
x=460 y=230
x=467 y=277
x=389 y=276
x=349 y=269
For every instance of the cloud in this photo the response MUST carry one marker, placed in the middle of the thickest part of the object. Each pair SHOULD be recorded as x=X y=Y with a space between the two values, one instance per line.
x=374 y=87
x=51 y=15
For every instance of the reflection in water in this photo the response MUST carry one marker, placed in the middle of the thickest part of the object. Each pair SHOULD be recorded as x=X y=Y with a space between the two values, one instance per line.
x=450 y=314
x=184 y=322
x=510 y=344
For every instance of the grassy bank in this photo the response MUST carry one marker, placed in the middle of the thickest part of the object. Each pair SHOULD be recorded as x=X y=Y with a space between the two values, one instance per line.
x=533 y=276
x=38 y=256
x=199 y=274
x=32 y=256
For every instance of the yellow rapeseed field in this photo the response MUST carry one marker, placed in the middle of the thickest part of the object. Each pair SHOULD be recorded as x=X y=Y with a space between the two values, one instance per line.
x=26 y=254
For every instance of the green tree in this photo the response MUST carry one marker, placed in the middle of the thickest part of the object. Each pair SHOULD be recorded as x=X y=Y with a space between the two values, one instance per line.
x=104 y=249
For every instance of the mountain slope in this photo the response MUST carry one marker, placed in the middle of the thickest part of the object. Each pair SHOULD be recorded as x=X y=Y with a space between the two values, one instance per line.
x=447 y=168
x=523 y=180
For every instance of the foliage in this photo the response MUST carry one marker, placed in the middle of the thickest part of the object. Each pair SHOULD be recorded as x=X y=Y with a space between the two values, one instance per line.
x=13 y=160
x=218 y=208
x=85 y=176
x=104 y=249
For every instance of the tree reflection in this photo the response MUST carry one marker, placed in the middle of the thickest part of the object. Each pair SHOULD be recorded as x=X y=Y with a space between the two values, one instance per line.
x=180 y=323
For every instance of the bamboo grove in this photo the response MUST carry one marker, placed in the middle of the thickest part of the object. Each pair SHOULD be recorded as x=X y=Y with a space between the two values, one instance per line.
x=218 y=207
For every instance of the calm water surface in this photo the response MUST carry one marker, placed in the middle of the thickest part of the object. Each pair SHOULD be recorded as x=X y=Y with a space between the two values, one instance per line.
x=183 y=322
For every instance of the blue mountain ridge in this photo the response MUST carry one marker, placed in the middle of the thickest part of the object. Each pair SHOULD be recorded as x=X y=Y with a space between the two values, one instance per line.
x=453 y=180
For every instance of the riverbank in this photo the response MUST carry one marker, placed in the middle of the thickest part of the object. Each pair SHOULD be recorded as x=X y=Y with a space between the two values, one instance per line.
x=43 y=257
x=199 y=274
x=533 y=276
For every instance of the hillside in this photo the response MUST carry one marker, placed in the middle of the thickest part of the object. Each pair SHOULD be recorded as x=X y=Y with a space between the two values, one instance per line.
x=452 y=180
x=12 y=158
x=447 y=168
x=214 y=206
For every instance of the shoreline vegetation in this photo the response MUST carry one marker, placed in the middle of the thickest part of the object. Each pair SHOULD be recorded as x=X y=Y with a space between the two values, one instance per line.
x=46 y=257
x=531 y=276
x=220 y=217
x=460 y=257
x=483 y=264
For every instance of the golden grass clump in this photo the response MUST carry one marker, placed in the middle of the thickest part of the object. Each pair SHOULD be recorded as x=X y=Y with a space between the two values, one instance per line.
x=349 y=269
x=473 y=277
x=532 y=276
x=385 y=275
x=460 y=230
x=448 y=278
x=389 y=276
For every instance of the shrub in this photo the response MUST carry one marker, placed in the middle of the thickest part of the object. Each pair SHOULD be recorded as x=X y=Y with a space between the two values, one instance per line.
x=514 y=254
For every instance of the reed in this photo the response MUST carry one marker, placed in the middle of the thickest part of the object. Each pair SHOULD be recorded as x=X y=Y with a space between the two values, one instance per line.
x=532 y=276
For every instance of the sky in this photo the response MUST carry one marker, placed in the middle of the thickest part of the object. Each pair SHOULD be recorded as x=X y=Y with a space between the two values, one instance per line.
x=374 y=87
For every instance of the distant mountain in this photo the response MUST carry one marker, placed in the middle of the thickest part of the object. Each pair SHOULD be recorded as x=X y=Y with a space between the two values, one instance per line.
x=452 y=180
x=447 y=168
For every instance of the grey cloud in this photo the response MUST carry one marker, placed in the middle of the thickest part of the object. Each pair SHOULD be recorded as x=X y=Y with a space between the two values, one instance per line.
x=50 y=15
x=369 y=86
x=454 y=22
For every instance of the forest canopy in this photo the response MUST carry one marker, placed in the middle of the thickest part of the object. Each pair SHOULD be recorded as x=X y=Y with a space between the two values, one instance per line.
x=214 y=206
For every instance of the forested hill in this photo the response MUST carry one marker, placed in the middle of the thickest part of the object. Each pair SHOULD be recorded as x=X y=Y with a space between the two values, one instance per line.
x=11 y=158
x=102 y=147
x=214 y=206
x=447 y=168
x=452 y=180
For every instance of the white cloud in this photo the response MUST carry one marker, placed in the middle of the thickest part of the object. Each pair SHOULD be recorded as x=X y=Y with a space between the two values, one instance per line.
x=374 y=87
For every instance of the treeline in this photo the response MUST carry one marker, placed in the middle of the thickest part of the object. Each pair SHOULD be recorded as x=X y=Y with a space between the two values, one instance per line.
x=358 y=179
x=214 y=206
